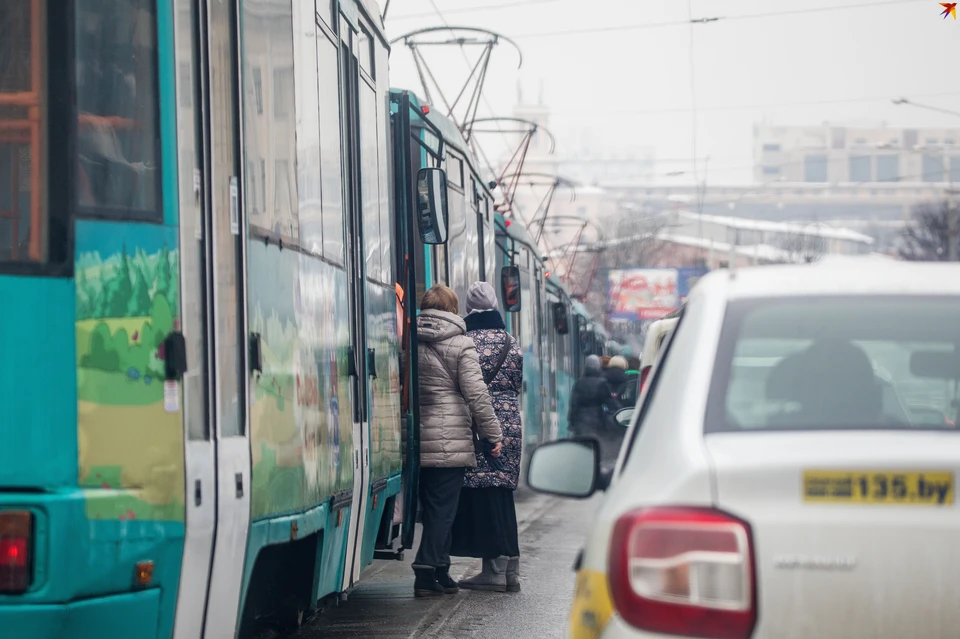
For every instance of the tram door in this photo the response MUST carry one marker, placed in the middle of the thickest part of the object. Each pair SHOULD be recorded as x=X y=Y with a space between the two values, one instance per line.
x=350 y=108
x=218 y=511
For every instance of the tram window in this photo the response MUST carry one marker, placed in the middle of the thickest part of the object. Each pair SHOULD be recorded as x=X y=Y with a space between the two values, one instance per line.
x=309 y=211
x=330 y=165
x=33 y=217
x=454 y=171
x=386 y=211
x=370 y=181
x=118 y=138
x=364 y=50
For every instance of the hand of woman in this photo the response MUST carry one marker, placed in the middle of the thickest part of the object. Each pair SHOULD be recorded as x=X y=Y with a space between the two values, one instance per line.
x=497 y=449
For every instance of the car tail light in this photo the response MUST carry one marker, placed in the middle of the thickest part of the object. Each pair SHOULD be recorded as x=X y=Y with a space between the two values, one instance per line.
x=16 y=529
x=684 y=571
x=644 y=374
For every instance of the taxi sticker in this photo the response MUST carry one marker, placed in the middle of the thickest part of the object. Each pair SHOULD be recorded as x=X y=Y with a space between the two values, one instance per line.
x=921 y=488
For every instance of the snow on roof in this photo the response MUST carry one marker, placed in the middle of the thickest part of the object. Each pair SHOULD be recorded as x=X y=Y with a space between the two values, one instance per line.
x=817 y=229
x=761 y=251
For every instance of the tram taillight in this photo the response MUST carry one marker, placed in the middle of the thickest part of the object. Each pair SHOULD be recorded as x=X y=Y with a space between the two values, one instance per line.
x=16 y=531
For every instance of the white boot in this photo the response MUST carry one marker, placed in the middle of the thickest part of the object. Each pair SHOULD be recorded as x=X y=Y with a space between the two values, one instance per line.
x=492 y=577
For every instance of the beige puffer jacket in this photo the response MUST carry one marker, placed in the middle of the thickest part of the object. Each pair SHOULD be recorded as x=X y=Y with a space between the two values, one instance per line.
x=446 y=436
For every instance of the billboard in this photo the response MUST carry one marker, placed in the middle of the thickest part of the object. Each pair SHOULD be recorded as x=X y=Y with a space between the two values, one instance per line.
x=642 y=293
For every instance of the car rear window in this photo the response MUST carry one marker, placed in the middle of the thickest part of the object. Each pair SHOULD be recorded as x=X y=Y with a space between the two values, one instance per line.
x=837 y=364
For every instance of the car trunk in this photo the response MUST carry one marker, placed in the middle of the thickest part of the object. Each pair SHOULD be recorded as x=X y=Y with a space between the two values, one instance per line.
x=829 y=565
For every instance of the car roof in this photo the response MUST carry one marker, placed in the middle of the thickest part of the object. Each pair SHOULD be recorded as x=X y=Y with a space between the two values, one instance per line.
x=852 y=277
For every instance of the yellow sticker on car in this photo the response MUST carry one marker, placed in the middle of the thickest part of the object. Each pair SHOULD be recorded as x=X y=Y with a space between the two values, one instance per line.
x=922 y=488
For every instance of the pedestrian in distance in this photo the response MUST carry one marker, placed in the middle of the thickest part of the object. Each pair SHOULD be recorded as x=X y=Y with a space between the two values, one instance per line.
x=453 y=396
x=592 y=409
x=616 y=372
x=486 y=523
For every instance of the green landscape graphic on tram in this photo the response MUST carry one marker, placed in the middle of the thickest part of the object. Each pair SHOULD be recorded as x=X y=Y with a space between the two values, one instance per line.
x=127 y=302
x=301 y=416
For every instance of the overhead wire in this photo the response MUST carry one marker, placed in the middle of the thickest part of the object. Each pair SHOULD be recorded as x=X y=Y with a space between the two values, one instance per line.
x=691 y=20
x=466 y=59
x=743 y=107
x=475 y=9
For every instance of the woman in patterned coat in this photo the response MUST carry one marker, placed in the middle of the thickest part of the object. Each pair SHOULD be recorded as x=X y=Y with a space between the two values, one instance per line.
x=486 y=522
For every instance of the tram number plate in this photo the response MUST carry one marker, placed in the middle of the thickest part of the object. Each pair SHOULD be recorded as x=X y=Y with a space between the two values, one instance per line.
x=922 y=488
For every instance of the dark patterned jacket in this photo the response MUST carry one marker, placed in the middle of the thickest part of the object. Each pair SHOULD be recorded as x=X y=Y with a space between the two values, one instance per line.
x=488 y=333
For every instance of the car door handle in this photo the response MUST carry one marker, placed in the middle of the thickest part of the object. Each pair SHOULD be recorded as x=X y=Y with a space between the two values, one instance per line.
x=197 y=493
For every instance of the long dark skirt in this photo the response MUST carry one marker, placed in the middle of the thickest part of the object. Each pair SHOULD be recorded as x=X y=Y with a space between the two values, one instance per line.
x=486 y=524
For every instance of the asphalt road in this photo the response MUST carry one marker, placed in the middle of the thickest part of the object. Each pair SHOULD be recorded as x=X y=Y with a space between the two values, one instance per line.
x=383 y=606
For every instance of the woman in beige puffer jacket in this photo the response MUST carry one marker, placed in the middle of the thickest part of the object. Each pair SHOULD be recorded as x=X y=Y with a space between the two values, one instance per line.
x=452 y=394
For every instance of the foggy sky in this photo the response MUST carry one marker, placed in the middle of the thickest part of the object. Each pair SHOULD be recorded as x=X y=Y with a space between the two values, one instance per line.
x=620 y=91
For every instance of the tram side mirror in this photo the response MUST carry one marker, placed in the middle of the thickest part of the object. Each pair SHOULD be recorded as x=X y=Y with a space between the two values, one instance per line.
x=560 y=320
x=432 y=205
x=510 y=288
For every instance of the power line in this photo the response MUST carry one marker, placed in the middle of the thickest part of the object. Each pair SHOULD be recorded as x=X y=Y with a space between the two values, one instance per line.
x=741 y=107
x=678 y=23
x=474 y=9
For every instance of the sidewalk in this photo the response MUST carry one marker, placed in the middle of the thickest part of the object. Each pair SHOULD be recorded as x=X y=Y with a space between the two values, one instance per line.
x=382 y=605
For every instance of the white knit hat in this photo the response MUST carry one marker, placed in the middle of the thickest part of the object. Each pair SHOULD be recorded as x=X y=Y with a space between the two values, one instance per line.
x=481 y=297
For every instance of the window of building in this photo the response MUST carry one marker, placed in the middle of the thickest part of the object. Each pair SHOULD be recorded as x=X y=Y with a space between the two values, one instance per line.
x=771 y=170
x=861 y=168
x=888 y=168
x=934 y=168
x=955 y=168
x=118 y=141
x=815 y=168
x=771 y=148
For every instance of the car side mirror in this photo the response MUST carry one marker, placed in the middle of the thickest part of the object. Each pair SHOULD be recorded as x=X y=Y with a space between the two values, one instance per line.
x=569 y=468
x=510 y=288
x=432 y=205
x=624 y=416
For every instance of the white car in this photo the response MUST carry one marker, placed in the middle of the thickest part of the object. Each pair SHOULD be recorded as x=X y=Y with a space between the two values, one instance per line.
x=772 y=484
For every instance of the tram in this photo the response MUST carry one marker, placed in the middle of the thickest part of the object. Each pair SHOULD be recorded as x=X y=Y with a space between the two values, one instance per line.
x=212 y=248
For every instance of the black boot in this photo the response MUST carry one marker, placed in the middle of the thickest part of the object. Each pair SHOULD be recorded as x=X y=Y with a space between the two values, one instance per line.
x=442 y=576
x=425 y=585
